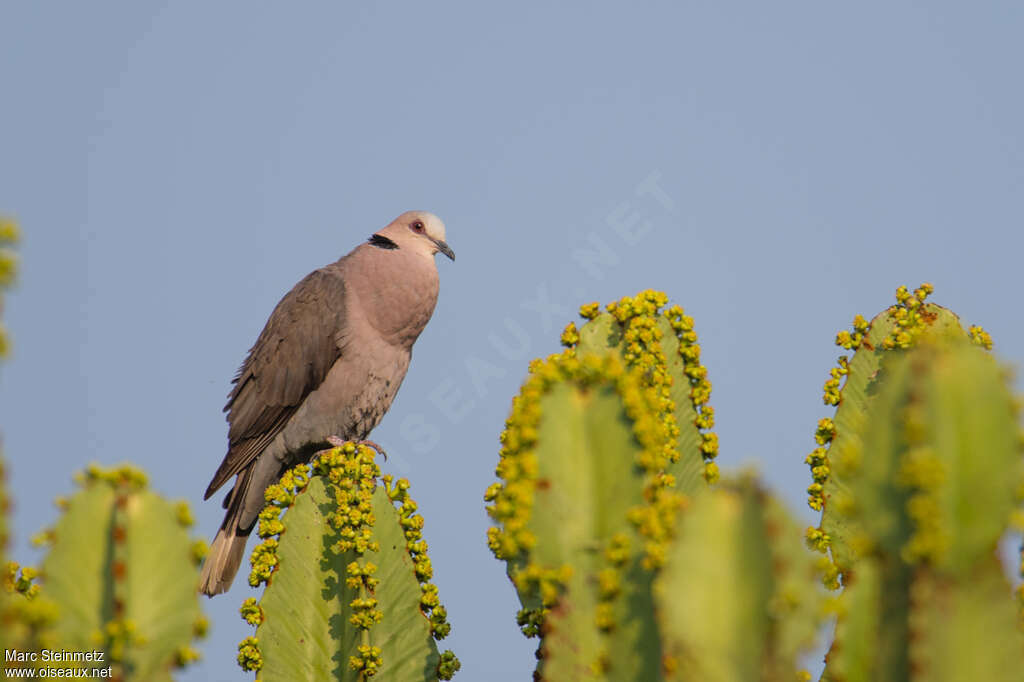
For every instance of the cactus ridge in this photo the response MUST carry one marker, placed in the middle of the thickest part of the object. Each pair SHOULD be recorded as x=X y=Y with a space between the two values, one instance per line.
x=373 y=560
x=622 y=411
x=850 y=388
x=663 y=343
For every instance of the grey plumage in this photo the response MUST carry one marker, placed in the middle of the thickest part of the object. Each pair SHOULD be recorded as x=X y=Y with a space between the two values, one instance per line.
x=328 y=363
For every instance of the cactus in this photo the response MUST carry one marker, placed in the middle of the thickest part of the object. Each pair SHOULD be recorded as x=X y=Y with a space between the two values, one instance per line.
x=589 y=466
x=627 y=563
x=25 y=618
x=930 y=487
x=739 y=597
x=347 y=576
x=895 y=329
x=9 y=236
x=664 y=344
x=588 y=501
x=589 y=521
x=122 y=571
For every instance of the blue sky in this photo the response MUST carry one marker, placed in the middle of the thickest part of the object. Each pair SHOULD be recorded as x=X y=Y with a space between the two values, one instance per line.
x=176 y=168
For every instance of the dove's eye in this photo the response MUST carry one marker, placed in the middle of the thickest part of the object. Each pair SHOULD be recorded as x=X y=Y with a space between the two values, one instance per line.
x=417 y=226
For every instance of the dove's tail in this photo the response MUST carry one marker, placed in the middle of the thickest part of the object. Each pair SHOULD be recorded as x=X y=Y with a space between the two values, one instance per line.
x=223 y=561
x=228 y=547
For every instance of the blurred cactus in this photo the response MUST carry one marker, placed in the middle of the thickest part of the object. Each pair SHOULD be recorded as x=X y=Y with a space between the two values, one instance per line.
x=24 y=617
x=347 y=576
x=628 y=565
x=861 y=377
x=604 y=445
x=931 y=481
x=739 y=598
x=918 y=476
x=897 y=328
x=9 y=236
x=122 y=571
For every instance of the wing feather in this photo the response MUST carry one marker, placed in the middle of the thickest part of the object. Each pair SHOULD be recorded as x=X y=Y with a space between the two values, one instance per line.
x=301 y=341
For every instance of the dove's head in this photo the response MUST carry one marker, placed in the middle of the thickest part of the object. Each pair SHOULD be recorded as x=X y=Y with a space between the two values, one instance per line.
x=418 y=232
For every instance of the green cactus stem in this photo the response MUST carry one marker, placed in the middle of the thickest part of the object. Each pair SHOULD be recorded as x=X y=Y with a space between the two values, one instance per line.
x=348 y=593
x=603 y=443
x=123 y=572
x=851 y=387
x=931 y=479
x=585 y=511
x=662 y=342
x=740 y=597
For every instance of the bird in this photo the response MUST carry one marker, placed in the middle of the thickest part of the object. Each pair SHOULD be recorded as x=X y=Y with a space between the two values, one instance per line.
x=325 y=368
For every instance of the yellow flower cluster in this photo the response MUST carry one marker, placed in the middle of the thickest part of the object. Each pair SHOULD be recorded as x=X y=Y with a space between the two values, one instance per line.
x=609 y=580
x=9 y=235
x=364 y=613
x=200 y=627
x=980 y=337
x=644 y=384
x=184 y=655
x=354 y=472
x=570 y=336
x=416 y=546
x=530 y=620
x=117 y=636
x=368 y=662
x=360 y=576
x=818 y=461
x=511 y=500
x=126 y=476
x=922 y=472
x=911 y=316
x=252 y=612
x=448 y=665
x=279 y=497
x=249 y=656
x=19 y=579
x=183 y=514
x=547 y=583
x=198 y=550
x=264 y=562
x=642 y=336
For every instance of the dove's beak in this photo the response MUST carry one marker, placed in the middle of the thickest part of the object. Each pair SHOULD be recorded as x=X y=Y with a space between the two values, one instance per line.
x=443 y=247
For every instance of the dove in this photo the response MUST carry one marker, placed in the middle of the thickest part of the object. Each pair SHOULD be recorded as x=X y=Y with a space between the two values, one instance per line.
x=325 y=368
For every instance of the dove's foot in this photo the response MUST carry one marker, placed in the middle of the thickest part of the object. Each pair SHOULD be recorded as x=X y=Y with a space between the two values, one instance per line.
x=338 y=442
x=370 y=444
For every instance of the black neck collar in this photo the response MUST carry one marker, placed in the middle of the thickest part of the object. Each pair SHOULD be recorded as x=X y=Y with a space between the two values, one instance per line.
x=382 y=242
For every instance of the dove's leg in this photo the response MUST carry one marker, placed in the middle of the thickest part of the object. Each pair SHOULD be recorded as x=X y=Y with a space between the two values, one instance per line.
x=338 y=442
